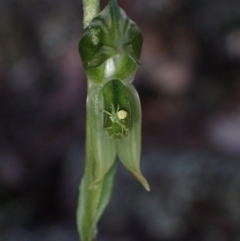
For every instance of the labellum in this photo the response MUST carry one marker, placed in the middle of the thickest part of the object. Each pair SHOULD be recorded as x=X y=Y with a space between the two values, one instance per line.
x=117 y=109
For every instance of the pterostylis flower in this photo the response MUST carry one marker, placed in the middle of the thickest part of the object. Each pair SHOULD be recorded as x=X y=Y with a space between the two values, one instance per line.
x=110 y=49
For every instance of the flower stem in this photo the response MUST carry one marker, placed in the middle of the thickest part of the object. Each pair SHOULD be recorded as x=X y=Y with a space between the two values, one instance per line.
x=90 y=10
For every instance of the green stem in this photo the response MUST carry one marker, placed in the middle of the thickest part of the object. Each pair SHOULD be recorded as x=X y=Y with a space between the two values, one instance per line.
x=90 y=10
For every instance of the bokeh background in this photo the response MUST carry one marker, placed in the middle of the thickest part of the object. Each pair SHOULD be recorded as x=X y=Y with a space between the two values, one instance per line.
x=189 y=85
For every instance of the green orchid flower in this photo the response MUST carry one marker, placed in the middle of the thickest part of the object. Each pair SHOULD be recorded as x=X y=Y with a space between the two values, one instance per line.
x=110 y=49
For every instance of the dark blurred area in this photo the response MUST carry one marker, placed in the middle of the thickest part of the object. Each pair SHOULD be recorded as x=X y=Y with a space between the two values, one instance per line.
x=190 y=92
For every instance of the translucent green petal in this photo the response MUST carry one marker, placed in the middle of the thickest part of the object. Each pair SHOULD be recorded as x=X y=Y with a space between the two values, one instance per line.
x=104 y=149
x=129 y=148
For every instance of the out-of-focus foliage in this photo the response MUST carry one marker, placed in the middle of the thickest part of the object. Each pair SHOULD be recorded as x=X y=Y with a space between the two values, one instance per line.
x=189 y=85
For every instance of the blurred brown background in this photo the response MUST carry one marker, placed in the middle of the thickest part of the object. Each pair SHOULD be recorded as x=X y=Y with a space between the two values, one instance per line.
x=190 y=93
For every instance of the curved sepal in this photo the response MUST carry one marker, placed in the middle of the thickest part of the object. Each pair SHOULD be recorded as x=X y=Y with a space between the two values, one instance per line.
x=104 y=149
x=129 y=148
